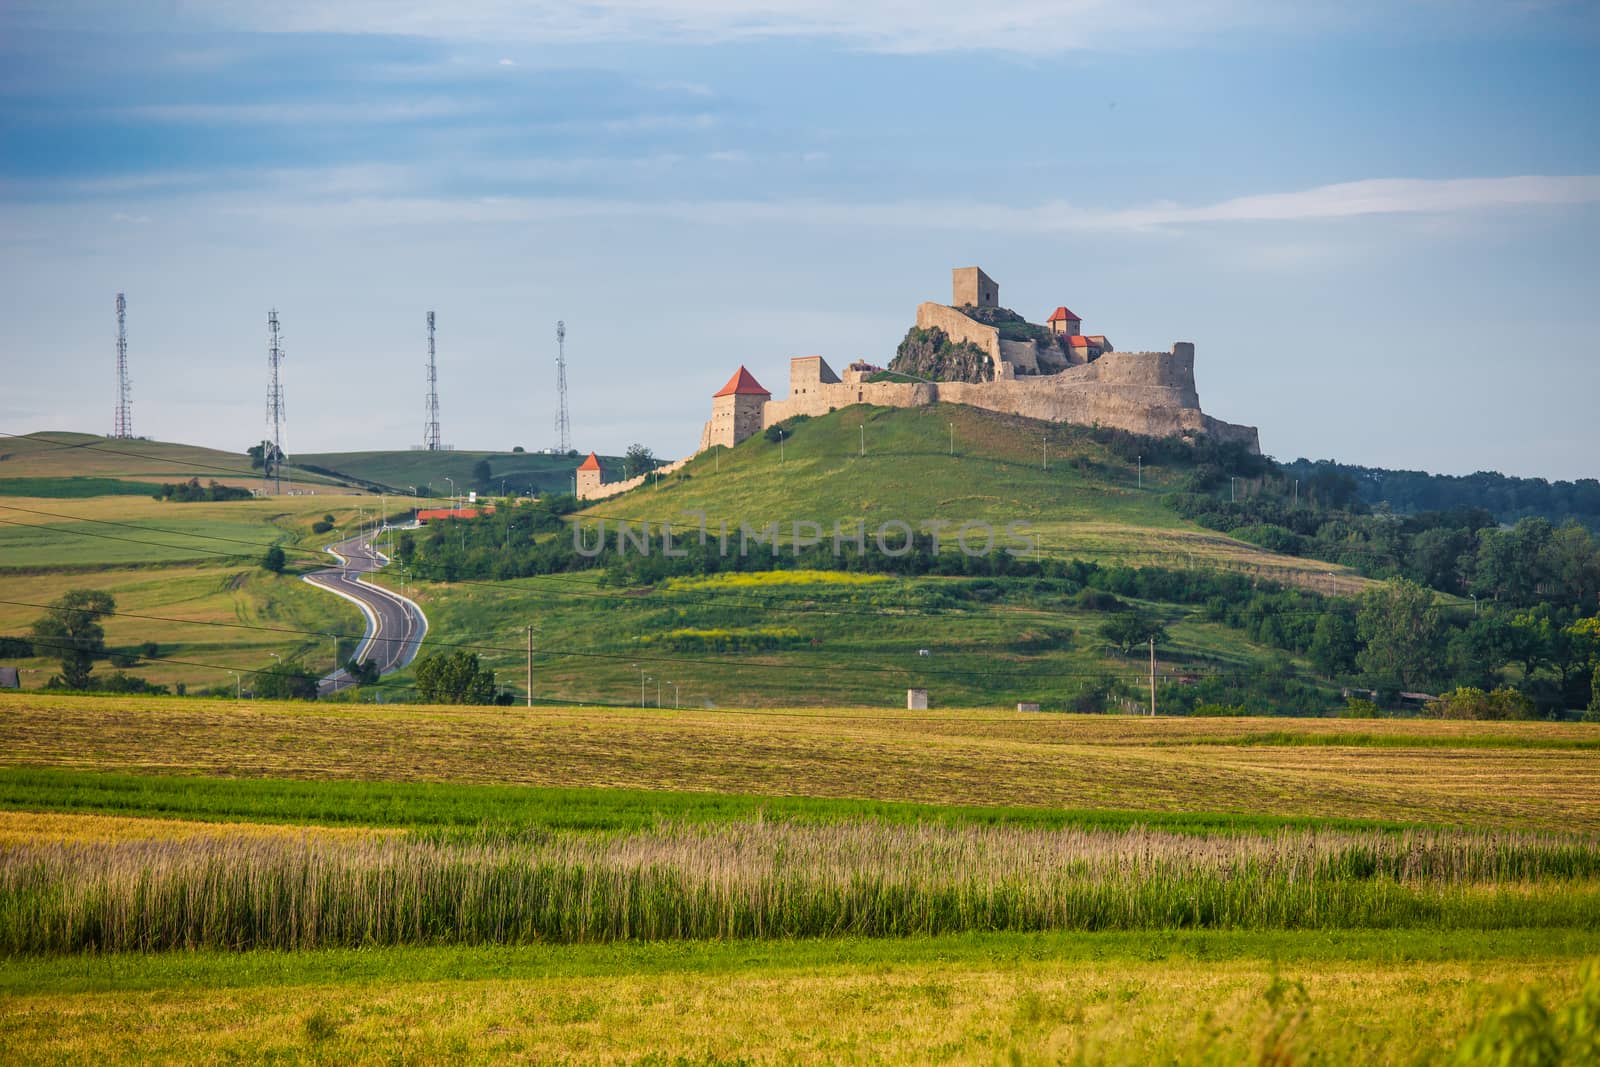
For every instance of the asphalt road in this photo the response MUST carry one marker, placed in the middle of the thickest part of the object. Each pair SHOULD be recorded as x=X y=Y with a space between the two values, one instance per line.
x=395 y=625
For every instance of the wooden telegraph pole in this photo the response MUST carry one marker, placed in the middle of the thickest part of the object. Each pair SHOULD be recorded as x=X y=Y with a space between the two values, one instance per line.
x=530 y=665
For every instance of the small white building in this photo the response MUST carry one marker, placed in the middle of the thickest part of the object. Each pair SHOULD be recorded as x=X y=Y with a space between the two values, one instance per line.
x=916 y=700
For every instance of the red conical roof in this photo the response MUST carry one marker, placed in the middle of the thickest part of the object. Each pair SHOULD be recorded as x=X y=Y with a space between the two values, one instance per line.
x=590 y=464
x=742 y=383
x=1061 y=314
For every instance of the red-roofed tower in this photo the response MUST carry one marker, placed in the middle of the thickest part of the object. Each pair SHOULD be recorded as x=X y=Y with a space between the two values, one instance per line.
x=737 y=409
x=589 y=476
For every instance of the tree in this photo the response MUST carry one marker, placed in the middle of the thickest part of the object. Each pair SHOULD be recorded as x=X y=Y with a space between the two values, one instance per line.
x=364 y=672
x=481 y=472
x=637 y=460
x=454 y=678
x=274 y=560
x=285 y=681
x=72 y=628
x=518 y=448
x=1334 y=644
x=1402 y=633
x=1132 y=628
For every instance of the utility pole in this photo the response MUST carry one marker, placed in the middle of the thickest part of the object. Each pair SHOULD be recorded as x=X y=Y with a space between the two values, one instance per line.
x=1046 y=442
x=1297 y=492
x=863 y=439
x=530 y=665
x=952 y=438
x=1152 y=677
x=1141 y=472
x=1233 y=489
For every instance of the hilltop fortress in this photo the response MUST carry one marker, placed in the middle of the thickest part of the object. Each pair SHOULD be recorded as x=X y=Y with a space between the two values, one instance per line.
x=1001 y=362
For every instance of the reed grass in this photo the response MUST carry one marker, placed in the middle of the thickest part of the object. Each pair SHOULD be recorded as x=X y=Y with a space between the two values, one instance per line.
x=755 y=879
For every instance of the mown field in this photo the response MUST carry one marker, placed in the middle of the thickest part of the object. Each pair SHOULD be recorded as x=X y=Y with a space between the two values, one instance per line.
x=195 y=880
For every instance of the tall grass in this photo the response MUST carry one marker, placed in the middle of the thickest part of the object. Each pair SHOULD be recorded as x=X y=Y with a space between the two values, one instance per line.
x=762 y=880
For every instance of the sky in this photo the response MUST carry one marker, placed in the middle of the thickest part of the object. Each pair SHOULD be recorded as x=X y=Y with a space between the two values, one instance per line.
x=1378 y=223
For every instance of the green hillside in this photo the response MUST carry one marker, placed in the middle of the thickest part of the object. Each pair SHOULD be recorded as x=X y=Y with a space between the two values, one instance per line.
x=30 y=462
x=522 y=472
x=1090 y=503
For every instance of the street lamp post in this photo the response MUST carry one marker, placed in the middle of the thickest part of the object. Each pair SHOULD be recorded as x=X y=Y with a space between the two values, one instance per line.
x=674 y=694
x=863 y=439
x=452 y=482
x=952 y=438
x=640 y=669
x=238 y=687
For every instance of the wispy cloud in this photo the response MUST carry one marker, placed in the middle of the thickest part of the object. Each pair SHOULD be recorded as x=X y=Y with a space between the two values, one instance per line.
x=1348 y=200
x=1035 y=26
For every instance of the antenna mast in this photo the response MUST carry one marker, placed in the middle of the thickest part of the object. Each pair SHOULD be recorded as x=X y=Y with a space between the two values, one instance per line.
x=563 y=423
x=124 y=421
x=272 y=458
x=430 y=432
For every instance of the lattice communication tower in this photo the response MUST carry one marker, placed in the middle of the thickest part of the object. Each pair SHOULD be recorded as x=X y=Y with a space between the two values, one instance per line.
x=272 y=455
x=430 y=432
x=124 y=420
x=563 y=422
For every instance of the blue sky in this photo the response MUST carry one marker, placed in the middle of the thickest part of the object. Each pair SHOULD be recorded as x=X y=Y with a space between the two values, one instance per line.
x=1377 y=225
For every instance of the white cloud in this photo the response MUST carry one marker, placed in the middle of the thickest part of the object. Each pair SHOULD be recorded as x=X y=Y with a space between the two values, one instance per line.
x=296 y=113
x=508 y=62
x=1348 y=200
x=1030 y=26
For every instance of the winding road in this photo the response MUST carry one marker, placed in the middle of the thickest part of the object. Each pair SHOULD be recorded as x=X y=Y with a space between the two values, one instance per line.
x=395 y=625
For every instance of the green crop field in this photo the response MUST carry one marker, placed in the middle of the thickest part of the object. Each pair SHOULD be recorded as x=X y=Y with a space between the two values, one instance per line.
x=212 y=880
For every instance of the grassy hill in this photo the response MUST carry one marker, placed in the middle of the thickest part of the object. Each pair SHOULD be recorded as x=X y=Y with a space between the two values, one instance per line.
x=61 y=464
x=522 y=472
x=1089 y=503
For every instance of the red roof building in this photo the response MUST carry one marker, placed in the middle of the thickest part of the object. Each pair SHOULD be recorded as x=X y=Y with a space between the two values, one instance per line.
x=1061 y=314
x=590 y=464
x=743 y=383
x=427 y=514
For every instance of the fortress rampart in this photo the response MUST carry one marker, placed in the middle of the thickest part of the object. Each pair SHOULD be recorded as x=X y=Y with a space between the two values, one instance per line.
x=1151 y=393
x=1079 y=379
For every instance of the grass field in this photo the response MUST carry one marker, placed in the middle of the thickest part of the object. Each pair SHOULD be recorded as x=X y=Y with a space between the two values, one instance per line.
x=521 y=471
x=1053 y=888
x=177 y=571
x=848 y=642
x=1031 y=998
x=62 y=455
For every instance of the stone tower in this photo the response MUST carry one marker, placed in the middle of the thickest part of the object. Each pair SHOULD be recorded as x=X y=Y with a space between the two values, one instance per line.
x=589 y=476
x=970 y=286
x=737 y=410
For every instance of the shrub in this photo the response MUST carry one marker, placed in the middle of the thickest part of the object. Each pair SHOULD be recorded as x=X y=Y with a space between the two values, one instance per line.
x=1468 y=702
x=1219 y=711
x=321 y=526
x=1357 y=708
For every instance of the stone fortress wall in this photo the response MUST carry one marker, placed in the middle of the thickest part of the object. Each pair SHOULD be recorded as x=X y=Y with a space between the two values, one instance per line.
x=1150 y=393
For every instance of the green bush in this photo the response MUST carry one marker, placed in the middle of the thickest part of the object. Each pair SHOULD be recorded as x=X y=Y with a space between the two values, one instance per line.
x=1468 y=702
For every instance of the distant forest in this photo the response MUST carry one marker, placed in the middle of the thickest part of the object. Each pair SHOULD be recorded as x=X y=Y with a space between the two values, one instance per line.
x=1507 y=499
